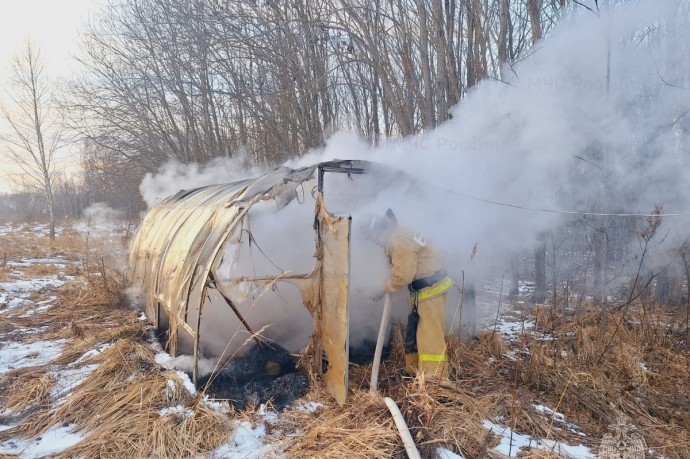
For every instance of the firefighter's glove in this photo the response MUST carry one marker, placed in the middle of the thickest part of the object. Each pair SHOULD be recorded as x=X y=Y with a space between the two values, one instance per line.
x=377 y=297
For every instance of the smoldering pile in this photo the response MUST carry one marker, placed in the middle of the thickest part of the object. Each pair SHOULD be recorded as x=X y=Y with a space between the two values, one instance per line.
x=267 y=373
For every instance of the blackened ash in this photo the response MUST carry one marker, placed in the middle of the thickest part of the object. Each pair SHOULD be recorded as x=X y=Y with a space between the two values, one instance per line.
x=265 y=373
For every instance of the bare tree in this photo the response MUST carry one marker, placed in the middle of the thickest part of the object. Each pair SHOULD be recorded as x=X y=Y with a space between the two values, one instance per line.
x=193 y=80
x=35 y=129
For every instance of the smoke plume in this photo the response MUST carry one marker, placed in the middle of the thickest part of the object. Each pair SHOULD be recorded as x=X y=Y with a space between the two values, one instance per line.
x=593 y=121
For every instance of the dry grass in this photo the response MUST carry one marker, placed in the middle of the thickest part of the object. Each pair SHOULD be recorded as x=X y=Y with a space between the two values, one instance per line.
x=633 y=368
x=451 y=418
x=7 y=274
x=41 y=269
x=27 y=388
x=638 y=368
x=118 y=408
x=26 y=244
x=363 y=427
x=538 y=454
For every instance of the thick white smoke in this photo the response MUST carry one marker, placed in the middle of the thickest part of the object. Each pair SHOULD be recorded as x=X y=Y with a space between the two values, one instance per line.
x=175 y=176
x=593 y=120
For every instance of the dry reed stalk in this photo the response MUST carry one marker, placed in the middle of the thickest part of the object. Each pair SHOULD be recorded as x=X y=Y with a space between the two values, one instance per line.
x=119 y=405
x=190 y=431
x=362 y=428
x=7 y=274
x=539 y=454
x=28 y=389
x=104 y=289
x=640 y=374
x=77 y=330
x=451 y=418
x=131 y=330
x=27 y=244
x=123 y=379
x=40 y=269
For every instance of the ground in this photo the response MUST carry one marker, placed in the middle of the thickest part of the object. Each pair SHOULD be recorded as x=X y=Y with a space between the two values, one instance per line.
x=82 y=376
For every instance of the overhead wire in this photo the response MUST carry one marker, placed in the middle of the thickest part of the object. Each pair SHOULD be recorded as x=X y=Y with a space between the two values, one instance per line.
x=566 y=212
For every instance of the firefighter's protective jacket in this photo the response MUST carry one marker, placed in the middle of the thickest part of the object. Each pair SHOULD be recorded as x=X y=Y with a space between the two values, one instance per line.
x=411 y=257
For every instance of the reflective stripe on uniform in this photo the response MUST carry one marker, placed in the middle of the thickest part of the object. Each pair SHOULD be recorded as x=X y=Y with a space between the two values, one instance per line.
x=437 y=289
x=432 y=357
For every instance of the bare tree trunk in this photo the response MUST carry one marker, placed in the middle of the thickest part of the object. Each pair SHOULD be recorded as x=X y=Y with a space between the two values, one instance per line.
x=534 y=12
x=440 y=46
x=470 y=64
x=598 y=237
x=427 y=105
x=376 y=128
x=540 y=271
x=515 y=276
x=454 y=83
x=44 y=157
x=504 y=5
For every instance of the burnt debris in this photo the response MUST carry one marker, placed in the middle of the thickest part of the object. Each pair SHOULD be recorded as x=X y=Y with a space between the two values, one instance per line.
x=266 y=373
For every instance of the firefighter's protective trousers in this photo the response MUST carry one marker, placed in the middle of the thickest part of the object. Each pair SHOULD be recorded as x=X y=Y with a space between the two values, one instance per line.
x=430 y=358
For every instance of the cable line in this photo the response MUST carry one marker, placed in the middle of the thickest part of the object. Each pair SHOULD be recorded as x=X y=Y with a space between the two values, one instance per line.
x=566 y=212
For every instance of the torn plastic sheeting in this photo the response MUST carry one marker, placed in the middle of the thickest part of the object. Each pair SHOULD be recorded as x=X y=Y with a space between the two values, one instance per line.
x=185 y=232
x=179 y=241
x=331 y=322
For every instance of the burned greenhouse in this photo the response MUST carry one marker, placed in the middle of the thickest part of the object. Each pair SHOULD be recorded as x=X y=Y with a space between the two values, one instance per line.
x=210 y=281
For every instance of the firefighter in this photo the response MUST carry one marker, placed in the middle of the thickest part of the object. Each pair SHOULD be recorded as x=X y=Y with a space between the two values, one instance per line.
x=415 y=264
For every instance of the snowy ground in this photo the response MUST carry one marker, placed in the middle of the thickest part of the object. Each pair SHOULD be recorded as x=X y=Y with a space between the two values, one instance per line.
x=35 y=294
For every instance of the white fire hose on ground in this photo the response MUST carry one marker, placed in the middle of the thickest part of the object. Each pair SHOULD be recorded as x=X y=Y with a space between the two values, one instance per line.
x=408 y=442
x=374 y=383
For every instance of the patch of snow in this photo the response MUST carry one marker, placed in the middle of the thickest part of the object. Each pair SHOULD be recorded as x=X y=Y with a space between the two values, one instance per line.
x=309 y=407
x=179 y=409
x=512 y=443
x=54 y=440
x=66 y=380
x=20 y=355
x=548 y=411
x=525 y=287
x=188 y=384
x=655 y=455
x=36 y=310
x=16 y=302
x=445 y=454
x=6 y=426
x=511 y=328
x=247 y=442
x=93 y=352
x=59 y=262
x=559 y=418
x=26 y=286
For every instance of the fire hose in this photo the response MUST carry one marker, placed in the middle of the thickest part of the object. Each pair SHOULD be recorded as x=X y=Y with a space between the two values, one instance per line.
x=403 y=431
x=374 y=383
